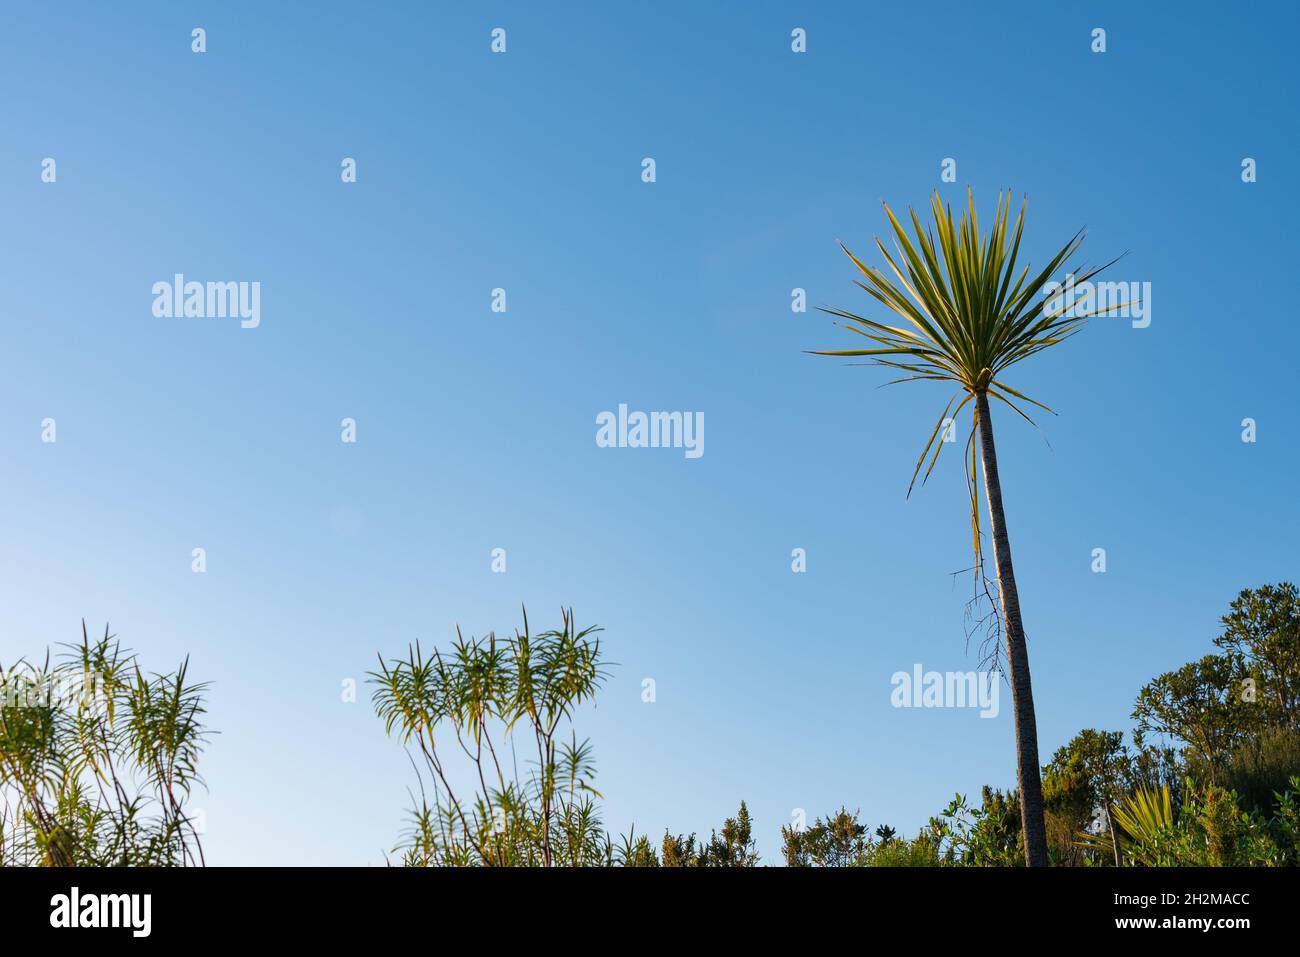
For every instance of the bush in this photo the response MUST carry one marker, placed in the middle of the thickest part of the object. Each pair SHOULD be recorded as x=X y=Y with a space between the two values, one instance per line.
x=840 y=840
x=921 y=851
x=1257 y=770
x=1207 y=829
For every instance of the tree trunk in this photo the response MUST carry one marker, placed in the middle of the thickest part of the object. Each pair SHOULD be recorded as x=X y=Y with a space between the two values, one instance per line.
x=1022 y=695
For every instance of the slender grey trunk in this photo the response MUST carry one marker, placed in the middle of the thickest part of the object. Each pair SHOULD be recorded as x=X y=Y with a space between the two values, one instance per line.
x=1022 y=695
x=1114 y=837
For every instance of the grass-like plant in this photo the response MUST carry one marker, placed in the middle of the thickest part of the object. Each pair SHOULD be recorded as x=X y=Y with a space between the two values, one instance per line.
x=471 y=716
x=98 y=761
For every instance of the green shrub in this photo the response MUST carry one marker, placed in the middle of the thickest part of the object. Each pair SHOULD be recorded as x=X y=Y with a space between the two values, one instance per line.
x=1258 y=769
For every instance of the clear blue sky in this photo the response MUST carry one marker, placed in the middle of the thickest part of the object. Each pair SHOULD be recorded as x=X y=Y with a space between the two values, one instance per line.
x=476 y=429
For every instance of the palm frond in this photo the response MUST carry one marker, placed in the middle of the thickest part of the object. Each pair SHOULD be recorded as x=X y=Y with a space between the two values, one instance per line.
x=971 y=310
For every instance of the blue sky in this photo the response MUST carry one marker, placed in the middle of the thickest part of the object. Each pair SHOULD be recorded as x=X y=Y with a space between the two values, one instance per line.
x=476 y=429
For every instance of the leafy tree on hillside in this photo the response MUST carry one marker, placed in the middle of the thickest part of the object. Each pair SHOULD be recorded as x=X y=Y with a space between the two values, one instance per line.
x=1236 y=714
x=1199 y=704
x=1261 y=640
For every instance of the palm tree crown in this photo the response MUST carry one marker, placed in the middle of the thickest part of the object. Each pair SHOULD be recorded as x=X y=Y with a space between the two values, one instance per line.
x=971 y=316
